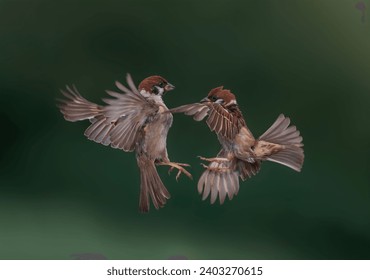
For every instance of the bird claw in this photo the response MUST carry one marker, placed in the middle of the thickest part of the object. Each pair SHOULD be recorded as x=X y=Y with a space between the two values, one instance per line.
x=184 y=171
x=215 y=169
x=215 y=159
x=178 y=166
x=178 y=175
x=183 y=164
x=170 y=170
x=202 y=158
x=205 y=166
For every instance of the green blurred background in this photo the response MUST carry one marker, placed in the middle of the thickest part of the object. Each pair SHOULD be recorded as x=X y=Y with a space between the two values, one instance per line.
x=61 y=194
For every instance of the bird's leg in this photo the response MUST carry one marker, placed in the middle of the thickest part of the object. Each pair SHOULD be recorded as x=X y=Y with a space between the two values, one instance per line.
x=215 y=159
x=178 y=166
x=216 y=169
x=173 y=167
x=218 y=160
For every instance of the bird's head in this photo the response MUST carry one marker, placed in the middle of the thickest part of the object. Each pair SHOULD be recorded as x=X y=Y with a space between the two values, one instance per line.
x=155 y=85
x=220 y=96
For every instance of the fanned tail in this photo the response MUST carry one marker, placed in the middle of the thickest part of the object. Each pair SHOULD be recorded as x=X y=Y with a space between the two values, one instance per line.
x=151 y=185
x=282 y=143
x=291 y=156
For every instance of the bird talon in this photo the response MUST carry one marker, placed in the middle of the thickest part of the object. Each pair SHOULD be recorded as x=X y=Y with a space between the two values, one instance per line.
x=215 y=159
x=170 y=170
x=183 y=164
x=178 y=175
x=203 y=158
x=179 y=167
x=215 y=169
x=205 y=166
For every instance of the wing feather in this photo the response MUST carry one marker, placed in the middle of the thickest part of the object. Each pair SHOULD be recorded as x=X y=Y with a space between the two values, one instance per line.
x=215 y=188
x=103 y=134
x=219 y=119
x=220 y=180
x=212 y=120
x=222 y=188
x=200 y=115
x=131 y=84
x=119 y=122
x=129 y=111
x=77 y=108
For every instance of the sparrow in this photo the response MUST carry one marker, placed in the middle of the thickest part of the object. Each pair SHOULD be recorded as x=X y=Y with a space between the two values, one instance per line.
x=241 y=154
x=132 y=121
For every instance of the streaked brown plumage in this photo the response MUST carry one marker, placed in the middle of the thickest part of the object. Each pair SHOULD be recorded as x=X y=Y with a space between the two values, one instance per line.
x=131 y=121
x=241 y=154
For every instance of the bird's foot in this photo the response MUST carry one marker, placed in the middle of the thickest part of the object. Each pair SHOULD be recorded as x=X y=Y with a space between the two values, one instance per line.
x=216 y=169
x=179 y=167
x=215 y=159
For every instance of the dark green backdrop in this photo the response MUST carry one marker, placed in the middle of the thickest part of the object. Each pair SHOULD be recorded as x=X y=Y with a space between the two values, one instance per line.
x=61 y=194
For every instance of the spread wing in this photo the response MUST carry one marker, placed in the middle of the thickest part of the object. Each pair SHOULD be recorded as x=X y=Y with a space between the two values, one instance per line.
x=128 y=113
x=75 y=107
x=219 y=180
x=117 y=124
x=219 y=120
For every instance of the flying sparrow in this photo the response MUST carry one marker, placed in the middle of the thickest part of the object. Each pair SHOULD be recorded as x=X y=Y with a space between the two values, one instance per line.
x=241 y=154
x=131 y=121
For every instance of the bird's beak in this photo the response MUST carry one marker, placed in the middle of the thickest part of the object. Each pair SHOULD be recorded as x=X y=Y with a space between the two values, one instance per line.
x=169 y=87
x=205 y=99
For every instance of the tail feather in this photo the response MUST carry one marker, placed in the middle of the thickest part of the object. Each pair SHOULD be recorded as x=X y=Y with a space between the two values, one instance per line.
x=280 y=133
x=151 y=186
x=279 y=125
x=77 y=108
x=284 y=144
x=291 y=156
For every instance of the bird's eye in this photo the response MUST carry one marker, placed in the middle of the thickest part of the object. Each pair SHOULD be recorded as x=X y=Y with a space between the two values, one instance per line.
x=213 y=98
x=155 y=90
x=161 y=84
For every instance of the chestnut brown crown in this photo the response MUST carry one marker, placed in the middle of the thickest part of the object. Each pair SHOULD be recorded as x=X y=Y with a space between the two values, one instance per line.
x=222 y=96
x=155 y=85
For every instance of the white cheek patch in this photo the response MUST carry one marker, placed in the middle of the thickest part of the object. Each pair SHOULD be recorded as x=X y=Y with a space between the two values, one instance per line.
x=156 y=97
x=147 y=94
x=219 y=101
x=144 y=93
x=232 y=102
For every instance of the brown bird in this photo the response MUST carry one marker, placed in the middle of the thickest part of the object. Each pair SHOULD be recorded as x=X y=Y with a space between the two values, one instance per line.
x=132 y=121
x=241 y=154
